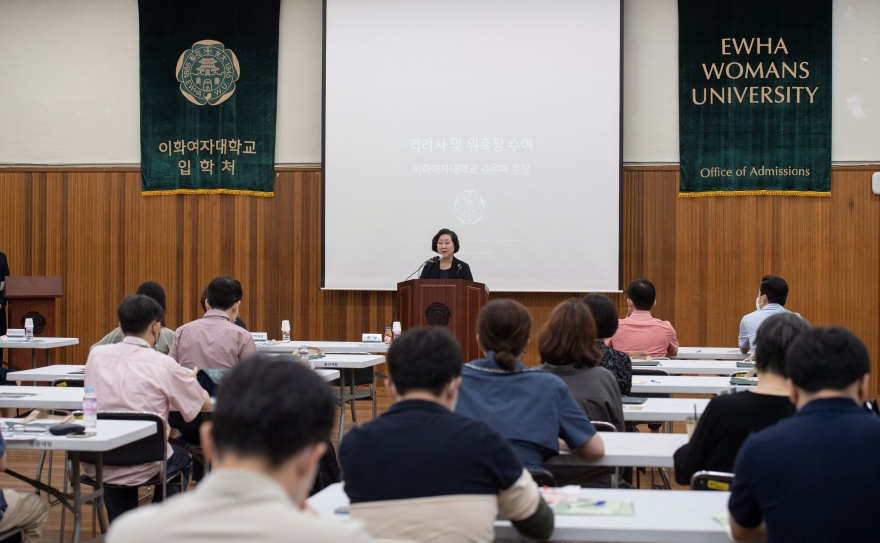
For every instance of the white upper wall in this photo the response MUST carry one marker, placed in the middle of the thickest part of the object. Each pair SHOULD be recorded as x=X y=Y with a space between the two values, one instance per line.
x=69 y=82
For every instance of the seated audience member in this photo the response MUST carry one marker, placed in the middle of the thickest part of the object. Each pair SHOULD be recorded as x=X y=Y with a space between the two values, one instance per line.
x=812 y=476
x=214 y=341
x=617 y=362
x=132 y=376
x=25 y=511
x=568 y=349
x=203 y=301
x=265 y=439
x=456 y=473
x=639 y=331
x=772 y=295
x=530 y=408
x=166 y=335
x=729 y=419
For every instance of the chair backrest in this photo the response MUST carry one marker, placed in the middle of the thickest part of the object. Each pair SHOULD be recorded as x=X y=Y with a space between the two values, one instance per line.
x=148 y=449
x=603 y=426
x=543 y=477
x=711 y=480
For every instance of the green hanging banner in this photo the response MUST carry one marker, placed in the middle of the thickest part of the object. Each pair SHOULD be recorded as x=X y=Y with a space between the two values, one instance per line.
x=754 y=97
x=209 y=83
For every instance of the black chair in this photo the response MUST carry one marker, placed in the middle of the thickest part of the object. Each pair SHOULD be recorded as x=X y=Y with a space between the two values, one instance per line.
x=190 y=440
x=12 y=535
x=145 y=450
x=543 y=477
x=711 y=480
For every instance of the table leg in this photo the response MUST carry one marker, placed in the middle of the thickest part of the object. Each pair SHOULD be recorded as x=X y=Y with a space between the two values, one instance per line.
x=99 y=492
x=341 y=406
x=77 y=495
x=33 y=359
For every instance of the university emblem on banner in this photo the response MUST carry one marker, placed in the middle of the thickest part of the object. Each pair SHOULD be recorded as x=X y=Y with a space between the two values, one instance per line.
x=207 y=73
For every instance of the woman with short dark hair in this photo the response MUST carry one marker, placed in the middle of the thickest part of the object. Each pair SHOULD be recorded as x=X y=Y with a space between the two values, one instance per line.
x=617 y=362
x=568 y=349
x=446 y=266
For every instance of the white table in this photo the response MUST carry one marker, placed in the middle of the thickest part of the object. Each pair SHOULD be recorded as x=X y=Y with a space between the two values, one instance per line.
x=334 y=347
x=110 y=434
x=680 y=384
x=710 y=353
x=40 y=344
x=660 y=517
x=664 y=410
x=631 y=449
x=352 y=362
x=695 y=367
x=64 y=371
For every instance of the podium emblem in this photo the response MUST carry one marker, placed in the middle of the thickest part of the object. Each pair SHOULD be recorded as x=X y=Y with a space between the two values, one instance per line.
x=437 y=314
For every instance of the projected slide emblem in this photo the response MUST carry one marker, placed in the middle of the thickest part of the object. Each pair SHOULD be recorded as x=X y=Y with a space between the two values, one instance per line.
x=469 y=207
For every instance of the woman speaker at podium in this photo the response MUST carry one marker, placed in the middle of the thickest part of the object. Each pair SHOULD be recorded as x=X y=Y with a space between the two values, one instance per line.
x=445 y=244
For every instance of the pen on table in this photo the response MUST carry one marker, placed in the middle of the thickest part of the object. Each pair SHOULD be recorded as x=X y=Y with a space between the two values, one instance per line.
x=654 y=381
x=585 y=503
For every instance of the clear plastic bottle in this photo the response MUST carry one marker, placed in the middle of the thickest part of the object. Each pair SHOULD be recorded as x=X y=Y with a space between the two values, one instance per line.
x=90 y=408
x=304 y=355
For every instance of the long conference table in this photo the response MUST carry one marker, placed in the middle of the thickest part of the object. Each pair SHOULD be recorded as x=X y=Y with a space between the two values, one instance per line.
x=40 y=344
x=710 y=353
x=109 y=434
x=659 y=517
x=65 y=371
x=680 y=384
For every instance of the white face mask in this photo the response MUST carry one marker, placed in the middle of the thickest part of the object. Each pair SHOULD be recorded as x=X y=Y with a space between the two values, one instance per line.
x=758 y=302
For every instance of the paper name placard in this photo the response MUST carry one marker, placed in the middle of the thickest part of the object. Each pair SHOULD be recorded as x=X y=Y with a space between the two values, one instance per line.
x=260 y=336
x=15 y=334
x=372 y=338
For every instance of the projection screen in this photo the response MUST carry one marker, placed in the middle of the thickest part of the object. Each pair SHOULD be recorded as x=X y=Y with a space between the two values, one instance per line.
x=498 y=119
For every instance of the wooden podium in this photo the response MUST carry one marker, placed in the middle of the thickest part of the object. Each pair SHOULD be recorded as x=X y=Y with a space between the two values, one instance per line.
x=451 y=303
x=32 y=297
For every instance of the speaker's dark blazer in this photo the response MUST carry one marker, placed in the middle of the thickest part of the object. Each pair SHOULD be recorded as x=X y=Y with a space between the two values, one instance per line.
x=459 y=270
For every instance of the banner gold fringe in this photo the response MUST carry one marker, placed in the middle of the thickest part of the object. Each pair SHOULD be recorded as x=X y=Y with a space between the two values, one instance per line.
x=211 y=191
x=755 y=193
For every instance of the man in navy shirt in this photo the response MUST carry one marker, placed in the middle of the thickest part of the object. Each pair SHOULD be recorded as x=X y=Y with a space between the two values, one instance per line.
x=812 y=476
x=423 y=473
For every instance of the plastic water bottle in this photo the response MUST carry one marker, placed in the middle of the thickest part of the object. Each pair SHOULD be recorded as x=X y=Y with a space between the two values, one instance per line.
x=304 y=355
x=90 y=408
x=29 y=329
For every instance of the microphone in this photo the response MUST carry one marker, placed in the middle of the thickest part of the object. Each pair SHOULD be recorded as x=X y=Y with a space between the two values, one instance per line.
x=431 y=261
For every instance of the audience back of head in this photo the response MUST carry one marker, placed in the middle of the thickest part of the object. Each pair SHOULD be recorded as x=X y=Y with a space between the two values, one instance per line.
x=137 y=312
x=642 y=294
x=830 y=358
x=775 y=288
x=224 y=292
x=271 y=410
x=604 y=313
x=773 y=340
x=424 y=359
x=503 y=327
x=569 y=337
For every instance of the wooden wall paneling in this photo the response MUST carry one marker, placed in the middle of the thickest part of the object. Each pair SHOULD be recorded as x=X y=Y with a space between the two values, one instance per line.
x=706 y=255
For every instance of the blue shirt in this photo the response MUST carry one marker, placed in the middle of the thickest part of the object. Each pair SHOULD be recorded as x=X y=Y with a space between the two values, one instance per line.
x=812 y=476
x=750 y=323
x=530 y=408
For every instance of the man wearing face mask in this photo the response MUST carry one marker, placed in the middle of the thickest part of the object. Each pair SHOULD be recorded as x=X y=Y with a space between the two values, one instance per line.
x=133 y=376
x=771 y=300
